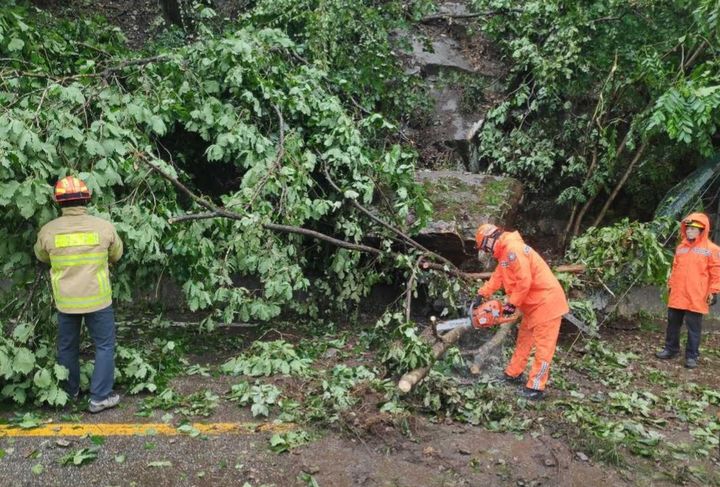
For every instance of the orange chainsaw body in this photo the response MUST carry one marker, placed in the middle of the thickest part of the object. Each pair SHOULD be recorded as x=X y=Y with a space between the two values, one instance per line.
x=490 y=313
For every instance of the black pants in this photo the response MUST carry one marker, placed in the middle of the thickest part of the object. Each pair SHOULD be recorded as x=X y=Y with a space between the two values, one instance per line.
x=693 y=321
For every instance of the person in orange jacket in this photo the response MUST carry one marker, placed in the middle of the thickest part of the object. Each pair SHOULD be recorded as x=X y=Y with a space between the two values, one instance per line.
x=531 y=287
x=694 y=282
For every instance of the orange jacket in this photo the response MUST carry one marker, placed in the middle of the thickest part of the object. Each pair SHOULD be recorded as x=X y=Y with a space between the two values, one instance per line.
x=526 y=279
x=695 y=271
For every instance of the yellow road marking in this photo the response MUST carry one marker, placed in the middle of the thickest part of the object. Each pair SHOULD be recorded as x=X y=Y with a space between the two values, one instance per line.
x=143 y=429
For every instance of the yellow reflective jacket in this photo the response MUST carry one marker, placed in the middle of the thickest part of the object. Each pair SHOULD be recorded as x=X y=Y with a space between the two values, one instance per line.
x=78 y=248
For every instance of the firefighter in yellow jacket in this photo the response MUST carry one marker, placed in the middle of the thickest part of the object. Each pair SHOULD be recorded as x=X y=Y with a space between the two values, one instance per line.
x=79 y=248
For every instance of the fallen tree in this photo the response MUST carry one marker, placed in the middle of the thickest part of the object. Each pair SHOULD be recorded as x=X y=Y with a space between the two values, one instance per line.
x=236 y=135
x=444 y=343
x=270 y=174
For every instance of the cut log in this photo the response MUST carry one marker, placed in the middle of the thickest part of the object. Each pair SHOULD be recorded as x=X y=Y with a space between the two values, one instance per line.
x=409 y=380
x=485 y=350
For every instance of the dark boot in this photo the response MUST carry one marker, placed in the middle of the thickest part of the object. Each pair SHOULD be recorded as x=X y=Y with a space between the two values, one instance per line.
x=510 y=380
x=691 y=363
x=665 y=354
x=531 y=394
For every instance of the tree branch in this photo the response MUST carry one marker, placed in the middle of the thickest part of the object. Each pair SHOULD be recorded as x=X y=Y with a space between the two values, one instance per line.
x=491 y=13
x=386 y=225
x=620 y=184
x=276 y=163
x=133 y=62
x=217 y=212
x=410 y=286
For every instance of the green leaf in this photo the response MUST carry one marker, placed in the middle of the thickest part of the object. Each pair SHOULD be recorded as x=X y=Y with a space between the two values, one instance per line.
x=158 y=125
x=80 y=457
x=23 y=332
x=61 y=372
x=42 y=379
x=16 y=44
x=37 y=469
x=24 y=361
x=94 y=148
x=97 y=440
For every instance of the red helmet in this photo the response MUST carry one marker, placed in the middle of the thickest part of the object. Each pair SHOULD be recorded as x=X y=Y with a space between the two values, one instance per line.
x=71 y=188
x=486 y=236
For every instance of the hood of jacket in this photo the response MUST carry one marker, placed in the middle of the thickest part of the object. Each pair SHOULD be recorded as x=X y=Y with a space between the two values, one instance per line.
x=698 y=217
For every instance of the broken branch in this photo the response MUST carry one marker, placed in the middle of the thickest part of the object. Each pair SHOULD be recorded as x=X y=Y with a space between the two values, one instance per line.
x=473 y=276
x=217 y=212
x=409 y=380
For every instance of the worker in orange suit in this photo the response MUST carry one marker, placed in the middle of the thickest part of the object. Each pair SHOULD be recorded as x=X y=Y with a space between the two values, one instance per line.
x=692 y=287
x=531 y=287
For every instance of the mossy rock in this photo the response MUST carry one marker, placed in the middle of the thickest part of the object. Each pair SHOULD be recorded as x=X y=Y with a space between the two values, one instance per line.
x=462 y=201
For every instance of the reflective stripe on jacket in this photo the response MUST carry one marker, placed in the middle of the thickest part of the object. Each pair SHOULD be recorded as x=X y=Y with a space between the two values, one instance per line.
x=695 y=271
x=527 y=280
x=78 y=248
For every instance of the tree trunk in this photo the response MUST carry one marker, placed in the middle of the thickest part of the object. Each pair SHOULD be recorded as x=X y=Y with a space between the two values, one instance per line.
x=409 y=380
x=620 y=184
x=172 y=11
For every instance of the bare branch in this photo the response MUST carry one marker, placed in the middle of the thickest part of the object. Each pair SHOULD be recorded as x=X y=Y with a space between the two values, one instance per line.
x=406 y=238
x=217 y=212
x=491 y=13
x=620 y=183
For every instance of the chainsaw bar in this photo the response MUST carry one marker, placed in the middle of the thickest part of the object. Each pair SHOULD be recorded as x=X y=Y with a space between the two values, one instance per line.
x=458 y=322
x=452 y=324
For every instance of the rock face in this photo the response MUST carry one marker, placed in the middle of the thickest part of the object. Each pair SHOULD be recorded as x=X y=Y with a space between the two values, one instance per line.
x=440 y=54
x=460 y=69
x=462 y=201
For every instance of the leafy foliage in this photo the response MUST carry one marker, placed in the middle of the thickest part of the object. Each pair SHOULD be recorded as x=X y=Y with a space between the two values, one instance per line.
x=80 y=457
x=260 y=396
x=403 y=349
x=594 y=86
x=254 y=116
x=268 y=358
x=623 y=253
x=284 y=442
x=30 y=374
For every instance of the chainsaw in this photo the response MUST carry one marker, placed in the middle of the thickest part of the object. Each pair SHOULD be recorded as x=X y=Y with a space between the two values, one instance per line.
x=485 y=315
x=492 y=313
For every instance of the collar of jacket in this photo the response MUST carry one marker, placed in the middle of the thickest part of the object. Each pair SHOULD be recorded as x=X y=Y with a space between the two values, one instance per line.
x=74 y=211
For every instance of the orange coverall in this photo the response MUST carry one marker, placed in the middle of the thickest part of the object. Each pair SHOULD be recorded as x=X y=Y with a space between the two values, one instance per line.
x=531 y=287
x=695 y=271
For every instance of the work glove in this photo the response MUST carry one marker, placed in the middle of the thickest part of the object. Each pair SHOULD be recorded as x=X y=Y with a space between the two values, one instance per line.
x=712 y=299
x=477 y=301
x=509 y=309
